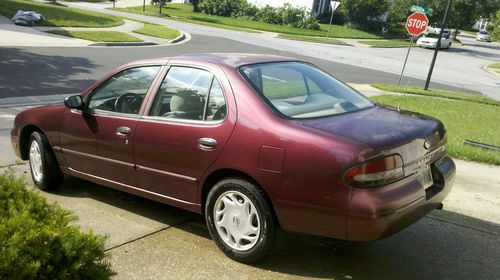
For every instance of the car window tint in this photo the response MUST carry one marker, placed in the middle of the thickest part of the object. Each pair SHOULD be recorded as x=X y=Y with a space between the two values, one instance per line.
x=125 y=91
x=216 y=107
x=299 y=90
x=279 y=81
x=183 y=94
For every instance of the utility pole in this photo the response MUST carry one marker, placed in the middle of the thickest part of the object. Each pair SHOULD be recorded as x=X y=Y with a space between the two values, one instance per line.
x=438 y=45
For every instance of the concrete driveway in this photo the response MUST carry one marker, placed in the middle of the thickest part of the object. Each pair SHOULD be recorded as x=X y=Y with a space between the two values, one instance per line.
x=149 y=240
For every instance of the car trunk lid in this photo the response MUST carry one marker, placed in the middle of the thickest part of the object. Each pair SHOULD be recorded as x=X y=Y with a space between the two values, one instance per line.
x=419 y=139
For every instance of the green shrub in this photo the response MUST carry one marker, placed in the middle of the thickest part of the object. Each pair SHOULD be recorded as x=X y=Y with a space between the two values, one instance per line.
x=38 y=242
x=284 y=15
x=268 y=14
x=225 y=8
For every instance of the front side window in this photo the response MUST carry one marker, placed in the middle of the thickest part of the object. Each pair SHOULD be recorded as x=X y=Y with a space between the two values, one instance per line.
x=299 y=90
x=189 y=94
x=123 y=92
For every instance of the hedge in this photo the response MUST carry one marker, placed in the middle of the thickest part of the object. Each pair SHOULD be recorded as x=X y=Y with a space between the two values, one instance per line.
x=38 y=241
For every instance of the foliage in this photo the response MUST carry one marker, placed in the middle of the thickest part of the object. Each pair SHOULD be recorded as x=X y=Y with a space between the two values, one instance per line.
x=184 y=13
x=225 y=8
x=58 y=15
x=462 y=120
x=158 y=31
x=462 y=15
x=97 y=36
x=386 y=43
x=450 y=94
x=285 y=15
x=38 y=242
x=496 y=27
x=364 y=13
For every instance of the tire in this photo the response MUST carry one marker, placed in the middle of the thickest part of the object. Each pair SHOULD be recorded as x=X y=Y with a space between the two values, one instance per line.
x=43 y=164
x=244 y=236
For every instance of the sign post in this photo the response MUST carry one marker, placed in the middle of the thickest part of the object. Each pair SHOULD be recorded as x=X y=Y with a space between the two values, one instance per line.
x=334 y=5
x=416 y=24
x=438 y=45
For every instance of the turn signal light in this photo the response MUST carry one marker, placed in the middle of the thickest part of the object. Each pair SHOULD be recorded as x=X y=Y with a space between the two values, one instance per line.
x=374 y=173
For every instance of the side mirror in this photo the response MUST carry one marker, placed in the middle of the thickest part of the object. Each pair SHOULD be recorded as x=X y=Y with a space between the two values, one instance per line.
x=74 y=102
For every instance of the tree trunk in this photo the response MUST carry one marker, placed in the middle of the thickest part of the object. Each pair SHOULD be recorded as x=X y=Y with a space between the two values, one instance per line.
x=195 y=5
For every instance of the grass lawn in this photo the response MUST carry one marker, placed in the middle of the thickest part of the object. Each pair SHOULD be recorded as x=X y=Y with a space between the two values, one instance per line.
x=462 y=119
x=184 y=12
x=311 y=39
x=495 y=67
x=158 y=31
x=97 y=36
x=90 y=1
x=386 y=43
x=56 y=15
x=456 y=95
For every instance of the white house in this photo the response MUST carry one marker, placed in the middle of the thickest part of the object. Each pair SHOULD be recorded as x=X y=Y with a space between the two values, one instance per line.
x=315 y=6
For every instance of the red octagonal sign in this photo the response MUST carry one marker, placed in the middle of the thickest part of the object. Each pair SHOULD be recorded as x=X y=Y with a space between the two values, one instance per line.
x=417 y=23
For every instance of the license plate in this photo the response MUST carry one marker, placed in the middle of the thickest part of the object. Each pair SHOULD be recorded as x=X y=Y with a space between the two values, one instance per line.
x=424 y=177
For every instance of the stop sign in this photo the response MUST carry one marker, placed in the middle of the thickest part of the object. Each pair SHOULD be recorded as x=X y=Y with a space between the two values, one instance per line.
x=417 y=23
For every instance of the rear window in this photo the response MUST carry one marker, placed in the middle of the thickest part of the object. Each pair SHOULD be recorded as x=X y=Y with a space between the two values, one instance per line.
x=299 y=90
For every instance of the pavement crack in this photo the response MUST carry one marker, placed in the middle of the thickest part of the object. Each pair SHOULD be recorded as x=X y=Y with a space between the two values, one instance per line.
x=147 y=235
x=462 y=225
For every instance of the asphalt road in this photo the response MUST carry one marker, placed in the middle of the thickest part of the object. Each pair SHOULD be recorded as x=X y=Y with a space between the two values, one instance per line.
x=46 y=71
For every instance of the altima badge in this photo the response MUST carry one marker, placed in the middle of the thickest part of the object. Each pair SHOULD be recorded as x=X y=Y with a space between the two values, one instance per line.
x=427 y=145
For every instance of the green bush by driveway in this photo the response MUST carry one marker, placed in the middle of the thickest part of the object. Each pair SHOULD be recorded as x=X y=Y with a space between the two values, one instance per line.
x=37 y=240
x=57 y=15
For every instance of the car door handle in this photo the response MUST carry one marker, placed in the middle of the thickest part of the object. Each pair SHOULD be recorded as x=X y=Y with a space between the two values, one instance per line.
x=207 y=143
x=123 y=131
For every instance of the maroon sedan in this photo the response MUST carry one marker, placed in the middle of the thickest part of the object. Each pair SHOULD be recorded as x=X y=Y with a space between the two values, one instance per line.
x=253 y=142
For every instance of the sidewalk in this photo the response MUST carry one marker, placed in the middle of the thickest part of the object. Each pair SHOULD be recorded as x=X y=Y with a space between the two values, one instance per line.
x=12 y=35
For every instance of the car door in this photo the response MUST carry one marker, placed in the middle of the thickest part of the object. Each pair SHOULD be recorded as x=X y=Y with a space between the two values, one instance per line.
x=188 y=123
x=98 y=140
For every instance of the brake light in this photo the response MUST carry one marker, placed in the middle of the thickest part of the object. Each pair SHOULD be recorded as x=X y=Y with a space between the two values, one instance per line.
x=374 y=173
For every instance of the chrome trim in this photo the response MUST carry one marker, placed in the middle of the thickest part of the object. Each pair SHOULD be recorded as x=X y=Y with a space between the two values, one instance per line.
x=153 y=170
x=71 y=152
x=132 y=187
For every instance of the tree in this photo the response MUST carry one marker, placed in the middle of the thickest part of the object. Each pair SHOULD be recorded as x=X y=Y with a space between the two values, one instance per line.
x=496 y=26
x=463 y=13
x=363 y=12
x=195 y=5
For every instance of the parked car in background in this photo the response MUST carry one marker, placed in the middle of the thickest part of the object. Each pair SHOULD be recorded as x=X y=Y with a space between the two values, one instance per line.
x=430 y=40
x=253 y=142
x=483 y=36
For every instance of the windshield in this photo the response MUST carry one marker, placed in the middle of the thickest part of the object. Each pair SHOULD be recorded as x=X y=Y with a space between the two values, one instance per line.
x=299 y=90
x=483 y=32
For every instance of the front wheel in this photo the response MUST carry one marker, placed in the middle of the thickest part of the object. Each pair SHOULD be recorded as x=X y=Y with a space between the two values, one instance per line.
x=43 y=164
x=240 y=220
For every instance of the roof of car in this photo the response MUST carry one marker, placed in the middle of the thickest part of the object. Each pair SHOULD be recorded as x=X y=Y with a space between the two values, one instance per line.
x=233 y=60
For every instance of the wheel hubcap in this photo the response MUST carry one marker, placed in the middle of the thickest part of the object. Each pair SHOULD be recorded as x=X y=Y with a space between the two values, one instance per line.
x=36 y=161
x=237 y=220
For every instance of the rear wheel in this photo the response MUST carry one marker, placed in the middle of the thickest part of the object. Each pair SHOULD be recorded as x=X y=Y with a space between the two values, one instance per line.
x=240 y=220
x=43 y=164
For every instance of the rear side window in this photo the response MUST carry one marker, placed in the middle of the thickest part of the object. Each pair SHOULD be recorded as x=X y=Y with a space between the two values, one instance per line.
x=189 y=94
x=299 y=90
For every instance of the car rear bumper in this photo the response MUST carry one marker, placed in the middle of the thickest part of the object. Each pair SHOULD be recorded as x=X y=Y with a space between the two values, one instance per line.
x=380 y=212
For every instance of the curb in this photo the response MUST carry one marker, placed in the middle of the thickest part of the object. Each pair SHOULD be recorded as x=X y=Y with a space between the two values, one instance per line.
x=487 y=69
x=122 y=44
x=178 y=38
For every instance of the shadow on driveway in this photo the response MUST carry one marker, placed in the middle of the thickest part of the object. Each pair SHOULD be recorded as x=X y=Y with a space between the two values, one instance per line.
x=433 y=248
x=24 y=73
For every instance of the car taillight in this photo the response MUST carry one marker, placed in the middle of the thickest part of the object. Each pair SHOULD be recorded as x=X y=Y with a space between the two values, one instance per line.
x=374 y=173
